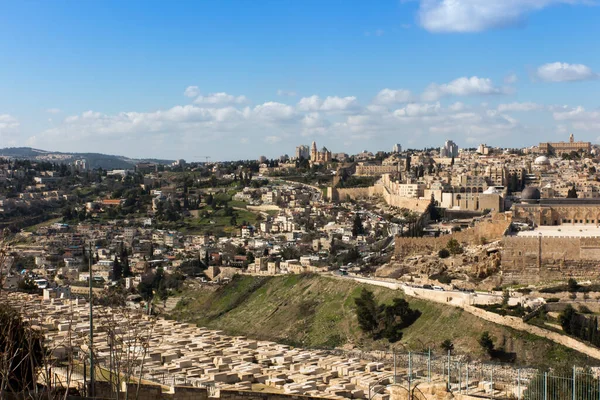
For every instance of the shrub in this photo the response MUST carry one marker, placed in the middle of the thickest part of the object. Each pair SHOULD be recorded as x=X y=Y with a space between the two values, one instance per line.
x=486 y=341
x=447 y=345
x=444 y=253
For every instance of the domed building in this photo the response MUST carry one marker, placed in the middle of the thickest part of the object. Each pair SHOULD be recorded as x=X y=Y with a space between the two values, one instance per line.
x=530 y=194
x=542 y=160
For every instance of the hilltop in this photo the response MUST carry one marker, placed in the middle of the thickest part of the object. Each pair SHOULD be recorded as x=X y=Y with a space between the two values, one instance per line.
x=94 y=160
x=317 y=311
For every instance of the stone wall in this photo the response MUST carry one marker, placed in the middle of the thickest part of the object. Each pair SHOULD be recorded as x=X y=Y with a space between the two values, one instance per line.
x=488 y=231
x=561 y=257
x=416 y=205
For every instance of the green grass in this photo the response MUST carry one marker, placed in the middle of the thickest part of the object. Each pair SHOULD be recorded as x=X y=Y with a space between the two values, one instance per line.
x=316 y=311
x=49 y=222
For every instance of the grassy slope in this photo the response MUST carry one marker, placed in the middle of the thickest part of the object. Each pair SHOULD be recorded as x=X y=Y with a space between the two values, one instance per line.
x=313 y=311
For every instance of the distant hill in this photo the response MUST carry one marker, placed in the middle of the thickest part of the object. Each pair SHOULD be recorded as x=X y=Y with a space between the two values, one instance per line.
x=94 y=160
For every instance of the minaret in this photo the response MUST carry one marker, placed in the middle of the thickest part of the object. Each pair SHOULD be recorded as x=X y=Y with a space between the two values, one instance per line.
x=571 y=138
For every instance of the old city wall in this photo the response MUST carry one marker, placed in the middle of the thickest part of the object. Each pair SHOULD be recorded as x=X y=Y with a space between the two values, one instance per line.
x=339 y=194
x=486 y=231
x=560 y=257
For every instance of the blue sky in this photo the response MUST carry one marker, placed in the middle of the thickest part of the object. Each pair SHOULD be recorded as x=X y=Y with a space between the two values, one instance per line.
x=237 y=79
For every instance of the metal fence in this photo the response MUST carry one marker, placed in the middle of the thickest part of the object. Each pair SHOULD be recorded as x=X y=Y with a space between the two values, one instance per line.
x=494 y=380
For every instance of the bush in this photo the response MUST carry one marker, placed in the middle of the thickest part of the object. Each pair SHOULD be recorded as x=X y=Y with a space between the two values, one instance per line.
x=454 y=247
x=384 y=321
x=447 y=345
x=486 y=341
x=584 y=309
x=552 y=300
x=443 y=253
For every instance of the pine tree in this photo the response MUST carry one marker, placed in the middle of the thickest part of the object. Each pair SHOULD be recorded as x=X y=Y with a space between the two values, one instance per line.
x=117 y=270
x=125 y=260
x=357 y=227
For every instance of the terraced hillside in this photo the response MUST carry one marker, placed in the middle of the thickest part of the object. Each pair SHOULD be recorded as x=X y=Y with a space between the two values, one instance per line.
x=317 y=311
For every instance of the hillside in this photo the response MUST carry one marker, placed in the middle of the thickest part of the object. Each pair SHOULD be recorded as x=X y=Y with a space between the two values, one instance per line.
x=94 y=160
x=316 y=311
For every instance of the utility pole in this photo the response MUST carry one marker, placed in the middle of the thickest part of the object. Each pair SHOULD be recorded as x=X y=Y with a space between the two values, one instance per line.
x=92 y=372
x=540 y=252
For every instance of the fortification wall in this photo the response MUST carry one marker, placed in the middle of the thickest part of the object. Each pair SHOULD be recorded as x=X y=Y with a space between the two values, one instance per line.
x=339 y=194
x=561 y=257
x=489 y=230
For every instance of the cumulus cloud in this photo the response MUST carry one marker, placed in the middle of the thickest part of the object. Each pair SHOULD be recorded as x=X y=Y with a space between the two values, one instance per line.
x=191 y=91
x=331 y=103
x=579 y=118
x=273 y=111
x=563 y=72
x=418 y=109
x=393 y=96
x=479 y=15
x=8 y=122
x=220 y=98
x=520 y=107
x=461 y=87
x=335 y=119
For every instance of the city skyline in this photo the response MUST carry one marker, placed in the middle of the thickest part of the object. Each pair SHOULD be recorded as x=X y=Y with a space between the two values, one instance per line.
x=192 y=80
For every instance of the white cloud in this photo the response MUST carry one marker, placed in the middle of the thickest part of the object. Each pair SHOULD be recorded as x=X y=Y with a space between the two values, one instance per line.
x=287 y=93
x=334 y=103
x=458 y=106
x=479 y=15
x=331 y=103
x=53 y=110
x=461 y=87
x=220 y=98
x=511 y=78
x=273 y=111
x=563 y=72
x=579 y=118
x=519 y=107
x=8 y=123
x=191 y=91
x=393 y=96
x=312 y=103
x=417 y=110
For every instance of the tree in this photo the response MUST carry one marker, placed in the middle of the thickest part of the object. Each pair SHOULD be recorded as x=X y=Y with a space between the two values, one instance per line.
x=454 y=247
x=572 y=285
x=357 y=226
x=486 y=341
x=505 y=298
x=568 y=319
x=452 y=162
x=447 y=345
x=125 y=260
x=366 y=311
x=117 y=270
x=384 y=321
x=572 y=193
x=22 y=352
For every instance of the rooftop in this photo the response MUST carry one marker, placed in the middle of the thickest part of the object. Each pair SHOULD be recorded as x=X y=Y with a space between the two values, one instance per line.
x=563 y=230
